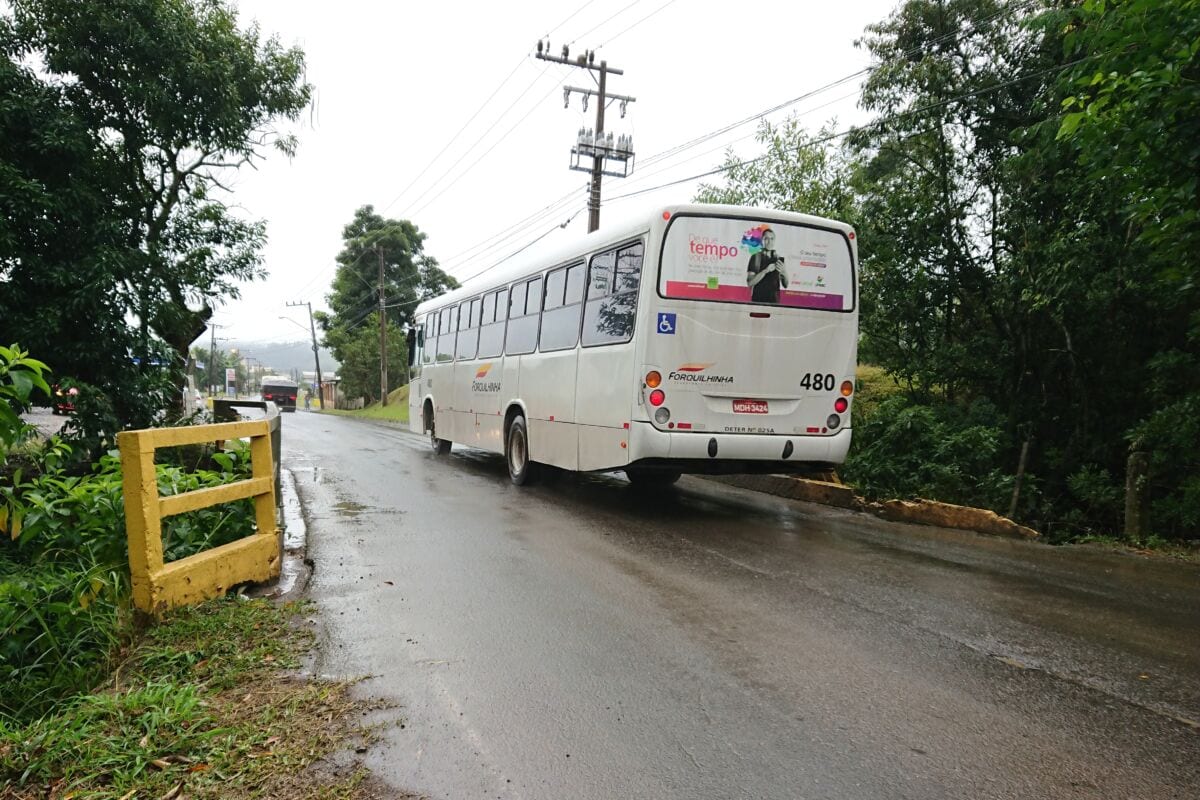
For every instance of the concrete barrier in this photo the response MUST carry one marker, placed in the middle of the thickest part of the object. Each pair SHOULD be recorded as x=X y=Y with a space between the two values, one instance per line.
x=158 y=586
x=810 y=491
x=918 y=512
x=947 y=515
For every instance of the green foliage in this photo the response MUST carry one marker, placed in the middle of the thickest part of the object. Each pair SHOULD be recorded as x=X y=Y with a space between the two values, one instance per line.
x=1131 y=112
x=352 y=328
x=110 y=735
x=1045 y=264
x=200 y=708
x=218 y=644
x=941 y=451
x=19 y=376
x=60 y=628
x=795 y=173
x=64 y=568
x=359 y=354
x=113 y=240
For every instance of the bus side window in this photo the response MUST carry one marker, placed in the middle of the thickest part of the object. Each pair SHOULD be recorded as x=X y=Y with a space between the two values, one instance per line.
x=609 y=313
x=491 y=332
x=523 y=317
x=446 y=331
x=430 y=346
x=560 y=321
x=556 y=285
x=468 y=334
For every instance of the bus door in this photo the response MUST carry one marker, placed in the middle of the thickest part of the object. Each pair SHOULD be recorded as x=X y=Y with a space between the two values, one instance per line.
x=744 y=354
x=426 y=345
x=607 y=376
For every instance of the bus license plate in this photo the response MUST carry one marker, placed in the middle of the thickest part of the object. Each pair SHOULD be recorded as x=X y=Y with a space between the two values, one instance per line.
x=750 y=407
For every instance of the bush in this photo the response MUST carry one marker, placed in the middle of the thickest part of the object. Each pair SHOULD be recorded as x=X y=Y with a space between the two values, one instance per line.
x=904 y=449
x=19 y=376
x=64 y=582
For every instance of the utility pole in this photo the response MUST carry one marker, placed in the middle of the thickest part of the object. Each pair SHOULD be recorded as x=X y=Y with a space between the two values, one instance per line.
x=598 y=145
x=316 y=350
x=383 y=398
x=212 y=359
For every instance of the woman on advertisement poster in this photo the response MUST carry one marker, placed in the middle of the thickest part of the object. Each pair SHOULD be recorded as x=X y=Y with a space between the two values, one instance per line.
x=765 y=273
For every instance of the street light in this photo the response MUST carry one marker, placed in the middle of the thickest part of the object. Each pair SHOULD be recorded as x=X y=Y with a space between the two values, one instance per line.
x=297 y=324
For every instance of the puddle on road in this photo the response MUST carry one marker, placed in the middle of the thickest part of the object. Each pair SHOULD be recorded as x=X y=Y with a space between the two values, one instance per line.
x=348 y=508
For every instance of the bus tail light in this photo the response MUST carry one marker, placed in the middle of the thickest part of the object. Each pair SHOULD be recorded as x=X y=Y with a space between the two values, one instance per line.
x=847 y=388
x=662 y=416
x=833 y=421
x=653 y=379
x=657 y=398
x=841 y=404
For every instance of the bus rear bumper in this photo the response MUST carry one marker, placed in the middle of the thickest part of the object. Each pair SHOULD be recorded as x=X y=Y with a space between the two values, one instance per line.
x=724 y=453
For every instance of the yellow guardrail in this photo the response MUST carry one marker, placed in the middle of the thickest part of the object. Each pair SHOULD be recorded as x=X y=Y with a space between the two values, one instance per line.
x=257 y=557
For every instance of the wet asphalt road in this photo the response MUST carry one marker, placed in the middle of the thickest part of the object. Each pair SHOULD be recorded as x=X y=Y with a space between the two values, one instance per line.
x=578 y=640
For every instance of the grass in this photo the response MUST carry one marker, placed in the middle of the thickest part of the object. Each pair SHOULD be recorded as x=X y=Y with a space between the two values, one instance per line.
x=395 y=411
x=206 y=705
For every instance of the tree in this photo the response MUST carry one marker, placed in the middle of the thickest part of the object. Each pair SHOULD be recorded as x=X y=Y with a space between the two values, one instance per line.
x=213 y=373
x=932 y=184
x=359 y=372
x=1131 y=130
x=796 y=172
x=151 y=105
x=409 y=276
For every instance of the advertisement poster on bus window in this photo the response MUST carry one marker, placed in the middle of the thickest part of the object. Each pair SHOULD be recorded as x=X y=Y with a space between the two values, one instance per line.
x=742 y=261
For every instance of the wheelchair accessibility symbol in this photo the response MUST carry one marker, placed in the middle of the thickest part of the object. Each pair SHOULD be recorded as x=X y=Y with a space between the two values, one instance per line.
x=666 y=323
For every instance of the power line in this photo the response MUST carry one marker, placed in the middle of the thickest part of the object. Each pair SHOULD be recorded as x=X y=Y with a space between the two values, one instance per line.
x=605 y=22
x=485 y=153
x=454 y=138
x=639 y=22
x=501 y=238
x=405 y=212
x=475 y=115
x=572 y=16
x=874 y=123
x=670 y=152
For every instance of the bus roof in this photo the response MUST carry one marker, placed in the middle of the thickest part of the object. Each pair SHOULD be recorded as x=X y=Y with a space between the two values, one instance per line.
x=625 y=227
x=276 y=380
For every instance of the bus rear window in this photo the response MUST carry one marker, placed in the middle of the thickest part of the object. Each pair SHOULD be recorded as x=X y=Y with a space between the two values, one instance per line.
x=744 y=261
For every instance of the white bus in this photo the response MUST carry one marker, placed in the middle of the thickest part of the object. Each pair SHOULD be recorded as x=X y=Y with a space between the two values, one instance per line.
x=701 y=339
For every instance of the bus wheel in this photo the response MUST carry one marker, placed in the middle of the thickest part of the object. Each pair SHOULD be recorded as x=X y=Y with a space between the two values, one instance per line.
x=652 y=478
x=521 y=470
x=440 y=446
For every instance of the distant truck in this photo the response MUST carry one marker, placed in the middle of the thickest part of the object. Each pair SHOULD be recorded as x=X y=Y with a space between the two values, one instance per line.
x=280 y=391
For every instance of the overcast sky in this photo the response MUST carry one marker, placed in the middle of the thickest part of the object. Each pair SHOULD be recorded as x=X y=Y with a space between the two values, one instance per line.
x=437 y=112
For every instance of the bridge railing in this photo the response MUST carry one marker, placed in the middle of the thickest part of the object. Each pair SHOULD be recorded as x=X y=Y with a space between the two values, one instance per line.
x=256 y=557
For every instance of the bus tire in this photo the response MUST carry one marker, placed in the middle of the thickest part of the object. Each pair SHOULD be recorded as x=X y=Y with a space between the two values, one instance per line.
x=521 y=470
x=440 y=446
x=652 y=478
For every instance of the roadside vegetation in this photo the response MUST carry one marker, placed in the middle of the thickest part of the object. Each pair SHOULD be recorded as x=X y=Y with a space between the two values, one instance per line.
x=396 y=409
x=207 y=704
x=64 y=574
x=1026 y=208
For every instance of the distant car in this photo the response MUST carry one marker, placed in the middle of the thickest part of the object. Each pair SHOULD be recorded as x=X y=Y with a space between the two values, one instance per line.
x=64 y=399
